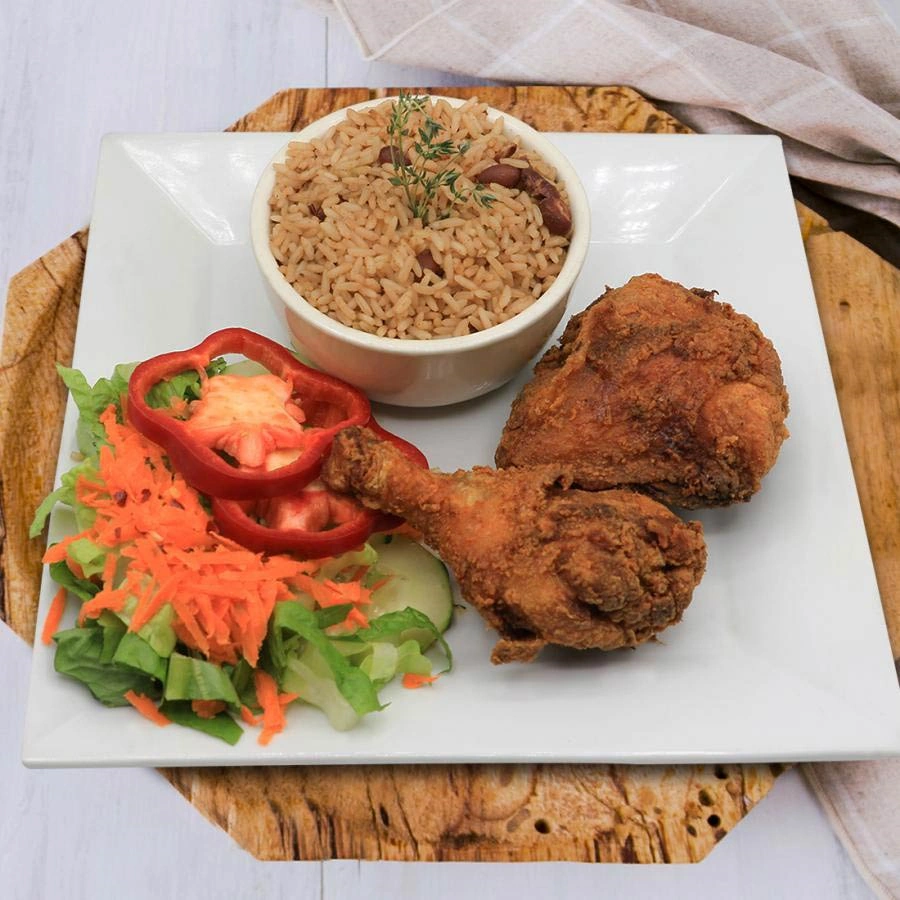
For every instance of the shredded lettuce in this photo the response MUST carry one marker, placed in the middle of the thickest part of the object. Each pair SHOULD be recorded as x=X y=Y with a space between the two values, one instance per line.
x=90 y=435
x=91 y=401
x=135 y=652
x=88 y=656
x=388 y=651
x=183 y=386
x=65 y=577
x=337 y=569
x=352 y=682
x=380 y=663
x=90 y=556
x=393 y=626
x=242 y=678
x=220 y=726
x=310 y=676
x=332 y=615
x=159 y=632
x=411 y=659
x=190 y=678
x=65 y=493
x=341 y=674
x=113 y=631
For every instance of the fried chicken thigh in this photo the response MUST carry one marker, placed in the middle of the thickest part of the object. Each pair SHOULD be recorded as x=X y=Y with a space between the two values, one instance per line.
x=543 y=564
x=658 y=388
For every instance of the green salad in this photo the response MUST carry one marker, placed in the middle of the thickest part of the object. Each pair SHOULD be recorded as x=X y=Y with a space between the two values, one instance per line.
x=192 y=628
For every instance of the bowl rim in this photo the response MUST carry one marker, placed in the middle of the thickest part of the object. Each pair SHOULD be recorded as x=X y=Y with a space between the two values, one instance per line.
x=294 y=301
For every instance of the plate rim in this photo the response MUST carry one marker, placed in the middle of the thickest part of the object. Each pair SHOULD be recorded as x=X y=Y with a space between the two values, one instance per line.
x=241 y=758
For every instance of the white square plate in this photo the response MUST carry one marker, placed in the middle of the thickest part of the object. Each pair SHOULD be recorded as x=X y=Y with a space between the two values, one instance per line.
x=783 y=654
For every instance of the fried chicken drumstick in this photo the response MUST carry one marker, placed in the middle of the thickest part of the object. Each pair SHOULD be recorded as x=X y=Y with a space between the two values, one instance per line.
x=658 y=388
x=541 y=563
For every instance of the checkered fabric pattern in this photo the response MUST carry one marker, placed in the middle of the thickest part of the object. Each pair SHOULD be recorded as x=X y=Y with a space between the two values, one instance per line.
x=822 y=74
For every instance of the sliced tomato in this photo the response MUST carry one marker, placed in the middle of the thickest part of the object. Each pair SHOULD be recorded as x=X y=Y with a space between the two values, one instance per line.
x=248 y=417
x=314 y=522
x=315 y=509
x=327 y=404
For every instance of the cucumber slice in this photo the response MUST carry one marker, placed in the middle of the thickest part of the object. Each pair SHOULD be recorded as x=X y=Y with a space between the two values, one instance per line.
x=418 y=579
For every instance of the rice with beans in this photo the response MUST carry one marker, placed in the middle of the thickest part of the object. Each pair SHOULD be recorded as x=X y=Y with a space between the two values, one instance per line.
x=343 y=236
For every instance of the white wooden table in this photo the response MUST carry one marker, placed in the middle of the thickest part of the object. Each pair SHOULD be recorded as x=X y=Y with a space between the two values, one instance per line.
x=70 y=73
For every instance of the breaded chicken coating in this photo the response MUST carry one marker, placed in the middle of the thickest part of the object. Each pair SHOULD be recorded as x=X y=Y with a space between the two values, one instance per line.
x=543 y=563
x=657 y=388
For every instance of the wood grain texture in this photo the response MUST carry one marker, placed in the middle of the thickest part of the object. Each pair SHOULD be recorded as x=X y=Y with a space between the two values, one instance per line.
x=499 y=813
x=584 y=813
x=39 y=331
x=858 y=295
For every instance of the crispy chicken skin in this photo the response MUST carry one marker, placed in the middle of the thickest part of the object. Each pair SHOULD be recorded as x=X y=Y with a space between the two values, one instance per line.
x=658 y=388
x=543 y=564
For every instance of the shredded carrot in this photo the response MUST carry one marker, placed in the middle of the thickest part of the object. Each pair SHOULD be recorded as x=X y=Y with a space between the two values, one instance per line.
x=352 y=591
x=57 y=552
x=207 y=709
x=412 y=681
x=272 y=704
x=147 y=708
x=223 y=594
x=54 y=616
x=248 y=716
x=356 y=618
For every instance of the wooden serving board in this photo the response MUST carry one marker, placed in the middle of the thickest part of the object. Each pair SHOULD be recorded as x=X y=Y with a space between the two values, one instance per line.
x=469 y=812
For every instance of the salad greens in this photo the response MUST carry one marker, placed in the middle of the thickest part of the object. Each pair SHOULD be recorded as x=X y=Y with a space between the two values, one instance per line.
x=313 y=646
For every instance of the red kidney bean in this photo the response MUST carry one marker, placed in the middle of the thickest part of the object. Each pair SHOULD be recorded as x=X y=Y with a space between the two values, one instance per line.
x=556 y=215
x=500 y=173
x=554 y=211
x=389 y=155
x=535 y=184
x=427 y=261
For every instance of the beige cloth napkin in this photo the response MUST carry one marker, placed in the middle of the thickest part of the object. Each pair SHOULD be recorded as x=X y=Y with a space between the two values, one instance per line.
x=823 y=74
x=860 y=800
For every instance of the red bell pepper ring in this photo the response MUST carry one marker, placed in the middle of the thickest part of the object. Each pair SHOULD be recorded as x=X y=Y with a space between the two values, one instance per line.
x=329 y=404
x=312 y=523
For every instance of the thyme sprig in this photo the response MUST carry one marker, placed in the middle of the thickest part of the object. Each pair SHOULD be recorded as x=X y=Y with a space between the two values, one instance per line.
x=420 y=185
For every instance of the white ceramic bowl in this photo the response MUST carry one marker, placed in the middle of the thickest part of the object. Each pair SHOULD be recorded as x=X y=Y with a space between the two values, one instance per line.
x=437 y=372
